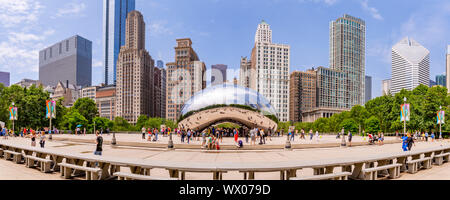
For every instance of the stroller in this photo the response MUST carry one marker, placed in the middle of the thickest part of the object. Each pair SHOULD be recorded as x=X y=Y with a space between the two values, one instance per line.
x=240 y=144
x=372 y=139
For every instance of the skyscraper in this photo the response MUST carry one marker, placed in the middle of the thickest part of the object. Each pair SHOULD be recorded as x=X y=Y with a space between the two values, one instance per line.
x=160 y=65
x=448 y=69
x=271 y=64
x=185 y=77
x=68 y=60
x=115 y=13
x=368 y=90
x=246 y=73
x=4 y=78
x=410 y=65
x=218 y=74
x=441 y=80
x=302 y=93
x=134 y=73
x=386 y=86
x=347 y=54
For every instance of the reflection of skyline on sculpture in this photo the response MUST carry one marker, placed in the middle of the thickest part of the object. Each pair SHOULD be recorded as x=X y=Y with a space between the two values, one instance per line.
x=228 y=94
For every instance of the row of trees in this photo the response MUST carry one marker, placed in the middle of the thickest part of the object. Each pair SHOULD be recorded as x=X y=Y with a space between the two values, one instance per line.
x=31 y=112
x=382 y=114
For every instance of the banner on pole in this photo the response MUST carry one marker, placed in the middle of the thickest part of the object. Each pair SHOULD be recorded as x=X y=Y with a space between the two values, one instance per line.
x=12 y=113
x=441 y=117
x=405 y=112
x=50 y=109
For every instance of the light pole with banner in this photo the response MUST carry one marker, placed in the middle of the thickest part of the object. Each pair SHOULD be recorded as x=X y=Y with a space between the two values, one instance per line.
x=405 y=115
x=12 y=115
x=51 y=113
x=440 y=120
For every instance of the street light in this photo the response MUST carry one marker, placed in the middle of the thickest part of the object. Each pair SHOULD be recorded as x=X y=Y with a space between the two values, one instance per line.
x=404 y=118
x=440 y=122
x=13 y=117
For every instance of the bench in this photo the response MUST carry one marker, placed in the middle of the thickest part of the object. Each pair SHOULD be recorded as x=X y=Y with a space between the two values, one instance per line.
x=372 y=173
x=12 y=155
x=130 y=176
x=44 y=164
x=335 y=176
x=439 y=159
x=91 y=173
x=415 y=165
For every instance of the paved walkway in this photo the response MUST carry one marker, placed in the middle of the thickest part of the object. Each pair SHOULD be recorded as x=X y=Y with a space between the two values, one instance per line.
x=227 y=143
x=196 y=156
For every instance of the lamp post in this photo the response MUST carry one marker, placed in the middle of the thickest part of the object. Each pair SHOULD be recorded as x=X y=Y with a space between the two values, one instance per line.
x=13 y=117
x=404 y=118
x=440 y=122
x=288 y=142
x=170 y=145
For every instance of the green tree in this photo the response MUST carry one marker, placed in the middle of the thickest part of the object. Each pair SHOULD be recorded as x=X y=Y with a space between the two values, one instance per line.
x=349 y=125
x=87 y=108
x=372 y=125
x=120 y=124
x=142 y=120
x=73 y=119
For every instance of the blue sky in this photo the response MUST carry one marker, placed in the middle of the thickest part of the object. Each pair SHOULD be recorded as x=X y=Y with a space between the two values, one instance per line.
x=223 y=30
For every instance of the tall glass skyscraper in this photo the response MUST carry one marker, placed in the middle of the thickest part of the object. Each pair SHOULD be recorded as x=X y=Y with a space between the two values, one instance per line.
x=114 y=17
x=347 y=54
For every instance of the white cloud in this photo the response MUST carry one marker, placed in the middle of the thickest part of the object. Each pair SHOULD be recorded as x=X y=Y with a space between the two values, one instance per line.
x=72 y=8
x=14 y=12
x=372 y=11
x=159 y=27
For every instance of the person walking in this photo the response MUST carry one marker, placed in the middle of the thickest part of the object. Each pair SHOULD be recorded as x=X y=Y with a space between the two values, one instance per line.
x=410 y=142
x=317 y=136
x=381 y=139
x=311 y=134
x=350 y=137
x=303 y=134
x=33 y=139
x=188 y=135
x=432 y=136
x=253 y=137
x=42 y=141
x=236 y=136
x=143 y=132
x=405 y=143
x=426 y=136
x=99 y=143
x=246 y=135
x=291 y=134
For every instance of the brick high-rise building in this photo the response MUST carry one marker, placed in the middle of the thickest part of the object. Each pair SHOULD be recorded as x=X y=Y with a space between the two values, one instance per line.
x=157 y=92
x=302 y=96
x=134 y=72
x=185 y=77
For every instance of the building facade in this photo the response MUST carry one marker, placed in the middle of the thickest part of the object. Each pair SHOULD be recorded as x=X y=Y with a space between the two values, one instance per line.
x=70 y=93
x=218 y=74
x=160 y=65
x=448 y=69
x=134 y=73
x=115 y=14
x=247 y=74
x=185 y=77
x=157 y=92
x=68 y=60
x=410 y=65
x=269 y=70
x=386 y=87
x=105 y=99
x=441 y=80
x=368 y=90
x=347 y=54
x=5 y=78
x=26 y=83
x=89 y=92
x=302 y=96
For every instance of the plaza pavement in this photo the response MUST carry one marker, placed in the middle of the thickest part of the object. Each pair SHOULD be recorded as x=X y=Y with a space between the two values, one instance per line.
x=198 y=156
x=135 y=140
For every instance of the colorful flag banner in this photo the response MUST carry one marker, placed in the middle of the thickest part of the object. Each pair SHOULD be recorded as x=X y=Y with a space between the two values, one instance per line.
x=12 y=113
x=441 y=117
x=50 y=108
x=405 y=113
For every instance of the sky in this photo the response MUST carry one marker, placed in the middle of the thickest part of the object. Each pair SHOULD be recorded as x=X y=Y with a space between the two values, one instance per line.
x=223 y=31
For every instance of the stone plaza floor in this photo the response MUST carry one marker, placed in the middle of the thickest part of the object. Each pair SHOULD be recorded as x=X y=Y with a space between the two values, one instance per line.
x=12 y=171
